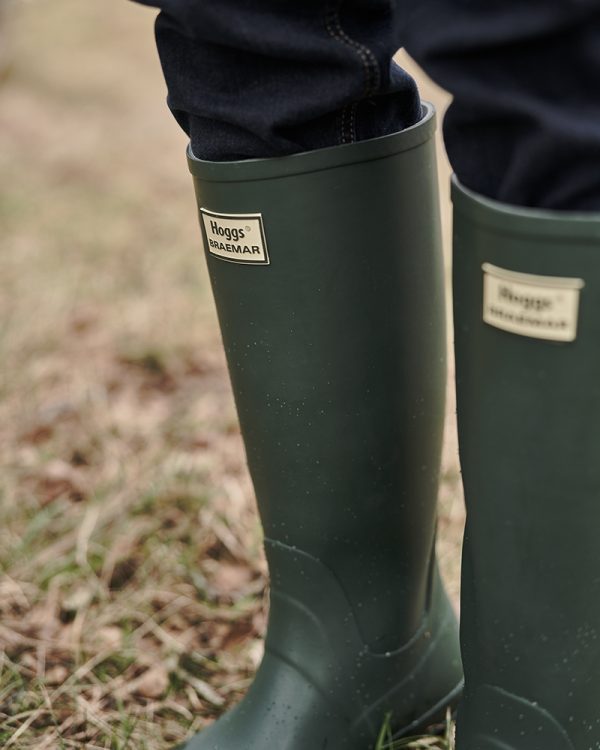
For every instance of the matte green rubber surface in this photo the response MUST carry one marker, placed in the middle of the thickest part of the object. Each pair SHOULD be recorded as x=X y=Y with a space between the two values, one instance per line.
x=529 y=432
x=336 y=350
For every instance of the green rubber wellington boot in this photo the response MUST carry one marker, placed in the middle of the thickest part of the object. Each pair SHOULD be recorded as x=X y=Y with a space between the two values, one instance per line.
x=527 y=329
x=327 y=275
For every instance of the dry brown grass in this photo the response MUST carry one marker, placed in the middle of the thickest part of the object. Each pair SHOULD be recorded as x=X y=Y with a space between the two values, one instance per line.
x=131 y=579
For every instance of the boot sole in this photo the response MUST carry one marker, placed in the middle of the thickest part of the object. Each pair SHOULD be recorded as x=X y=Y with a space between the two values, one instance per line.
x=433 y=722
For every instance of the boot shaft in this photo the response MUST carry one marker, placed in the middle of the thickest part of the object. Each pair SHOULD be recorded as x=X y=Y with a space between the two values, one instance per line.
x=336 y=350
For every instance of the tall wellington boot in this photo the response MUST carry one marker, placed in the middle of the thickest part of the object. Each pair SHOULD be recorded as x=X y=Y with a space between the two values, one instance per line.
x=327 y=276
x=527 y=328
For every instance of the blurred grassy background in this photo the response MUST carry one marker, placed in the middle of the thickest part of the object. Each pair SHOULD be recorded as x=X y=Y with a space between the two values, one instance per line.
x=131 y=579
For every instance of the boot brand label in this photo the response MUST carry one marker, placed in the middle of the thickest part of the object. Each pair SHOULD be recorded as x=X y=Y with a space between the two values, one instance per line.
x=541 y=307
x=238 y=238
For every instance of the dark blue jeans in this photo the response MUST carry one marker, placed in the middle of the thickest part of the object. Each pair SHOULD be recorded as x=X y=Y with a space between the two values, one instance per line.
x=262 y=78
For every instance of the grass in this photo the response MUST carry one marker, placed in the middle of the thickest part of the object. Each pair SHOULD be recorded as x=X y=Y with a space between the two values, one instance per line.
x=443 y=739
x=131 y=577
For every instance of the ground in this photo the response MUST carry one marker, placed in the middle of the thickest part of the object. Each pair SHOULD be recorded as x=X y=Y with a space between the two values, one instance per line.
x=132 y=585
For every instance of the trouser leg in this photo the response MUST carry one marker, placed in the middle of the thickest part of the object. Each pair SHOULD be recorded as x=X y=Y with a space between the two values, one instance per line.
x=524 y=125
x=274 y=77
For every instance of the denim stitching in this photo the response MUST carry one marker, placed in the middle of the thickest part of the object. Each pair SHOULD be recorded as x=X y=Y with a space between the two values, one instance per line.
x=350 y=120
x=348 y=123
x=346 y=133
x=368 y=59
x=370 y=69
x=353 y=108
